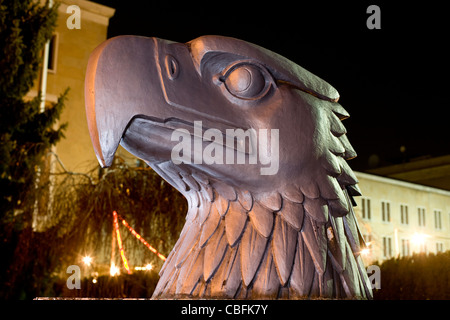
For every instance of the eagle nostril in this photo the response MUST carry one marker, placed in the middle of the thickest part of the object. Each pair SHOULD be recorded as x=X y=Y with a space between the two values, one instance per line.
x=171 y=67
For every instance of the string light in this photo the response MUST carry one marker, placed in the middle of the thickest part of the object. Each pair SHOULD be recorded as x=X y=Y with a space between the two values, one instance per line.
x=148 y=267
x=139 y=237
x=119 y=243
x=114 y=270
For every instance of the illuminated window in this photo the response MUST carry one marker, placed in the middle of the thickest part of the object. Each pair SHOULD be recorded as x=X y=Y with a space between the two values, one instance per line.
x=365 y=208
x=421 y=216
x=404 y=214
x=385 y=211
x=437 y=219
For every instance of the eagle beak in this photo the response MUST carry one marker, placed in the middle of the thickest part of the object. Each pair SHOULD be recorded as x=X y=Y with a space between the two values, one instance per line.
x=121 y=82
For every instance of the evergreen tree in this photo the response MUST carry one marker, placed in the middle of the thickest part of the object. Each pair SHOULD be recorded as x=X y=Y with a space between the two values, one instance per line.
x=26 y=134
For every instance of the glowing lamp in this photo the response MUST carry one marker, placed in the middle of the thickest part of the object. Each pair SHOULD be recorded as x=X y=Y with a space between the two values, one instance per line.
x=113 y=271
x=87 y=260
x=419 y=239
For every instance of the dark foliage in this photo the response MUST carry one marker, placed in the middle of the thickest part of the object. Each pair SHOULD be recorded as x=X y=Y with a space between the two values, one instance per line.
x=26 y=131
x=416 y=277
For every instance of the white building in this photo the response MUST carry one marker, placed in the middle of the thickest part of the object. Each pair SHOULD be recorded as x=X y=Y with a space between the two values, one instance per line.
x=398 y=218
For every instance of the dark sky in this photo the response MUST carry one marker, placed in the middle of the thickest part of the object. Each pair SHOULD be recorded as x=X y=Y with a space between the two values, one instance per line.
x=392 y=81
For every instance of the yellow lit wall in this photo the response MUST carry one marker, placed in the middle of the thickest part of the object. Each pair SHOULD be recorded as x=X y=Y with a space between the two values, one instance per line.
x=434 y=235
x=72 y=50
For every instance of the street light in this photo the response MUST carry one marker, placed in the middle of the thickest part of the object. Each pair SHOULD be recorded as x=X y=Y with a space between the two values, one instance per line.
x=113 y=271
x=87 y=260
x=419 y=238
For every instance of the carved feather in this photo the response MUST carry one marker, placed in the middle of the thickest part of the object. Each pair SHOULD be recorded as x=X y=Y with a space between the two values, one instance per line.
x=214 y=252
x=208 y=192
x=336 y=126
x=270 y=200
x=338 y=252
x=284 y=244
x=354 y=190
x=317 y=209
x=225 y=190
x=329 y=187
x=292 y=213
x=331 y=164
x=245 y=198
x=293 y=193
x=315 y=239
x=338 y=207
x=235 y=222
x=349 y=153
x=190 y=181
x=200 y=177
x=191 y=273
x=261 y=219
x=204 y=209
x=226 y=281
x=188 y=244
x=335 y=146
x=302 y=272
x=210 y=226
x=347 y=176
x=352 y=233
x=233 y=280
x=351 y=275
x=266 y=283
x=252 y=248
x=310 y=189
x=193 y=200
x=338 y=110
x=221 y=205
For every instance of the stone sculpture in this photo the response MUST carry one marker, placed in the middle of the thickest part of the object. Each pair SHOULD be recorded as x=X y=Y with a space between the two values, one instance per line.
x=256 y=145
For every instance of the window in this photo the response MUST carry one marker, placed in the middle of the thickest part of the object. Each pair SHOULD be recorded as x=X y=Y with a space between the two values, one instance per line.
x=437 y=219
x=404 y=214
x=385 y=211
x=387 y=247
x=52 y=53
x=405 y=247
x=439 y=247
x=421 y=215
x=366 y=208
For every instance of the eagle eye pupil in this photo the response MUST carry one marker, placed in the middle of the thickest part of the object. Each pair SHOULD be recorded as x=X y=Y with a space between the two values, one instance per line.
x=246 y=82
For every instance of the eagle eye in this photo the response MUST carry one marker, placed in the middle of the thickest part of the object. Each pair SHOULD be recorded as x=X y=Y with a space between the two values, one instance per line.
x=247 y=81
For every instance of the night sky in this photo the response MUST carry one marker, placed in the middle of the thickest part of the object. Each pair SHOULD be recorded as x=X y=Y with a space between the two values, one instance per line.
x=392 y=81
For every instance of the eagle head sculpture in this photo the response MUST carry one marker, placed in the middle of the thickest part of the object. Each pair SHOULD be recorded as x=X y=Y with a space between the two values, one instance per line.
x=256 y=145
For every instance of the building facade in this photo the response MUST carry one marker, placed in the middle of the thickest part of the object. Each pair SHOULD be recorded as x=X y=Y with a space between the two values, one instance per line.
x=69 y=51
x=399 y=218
